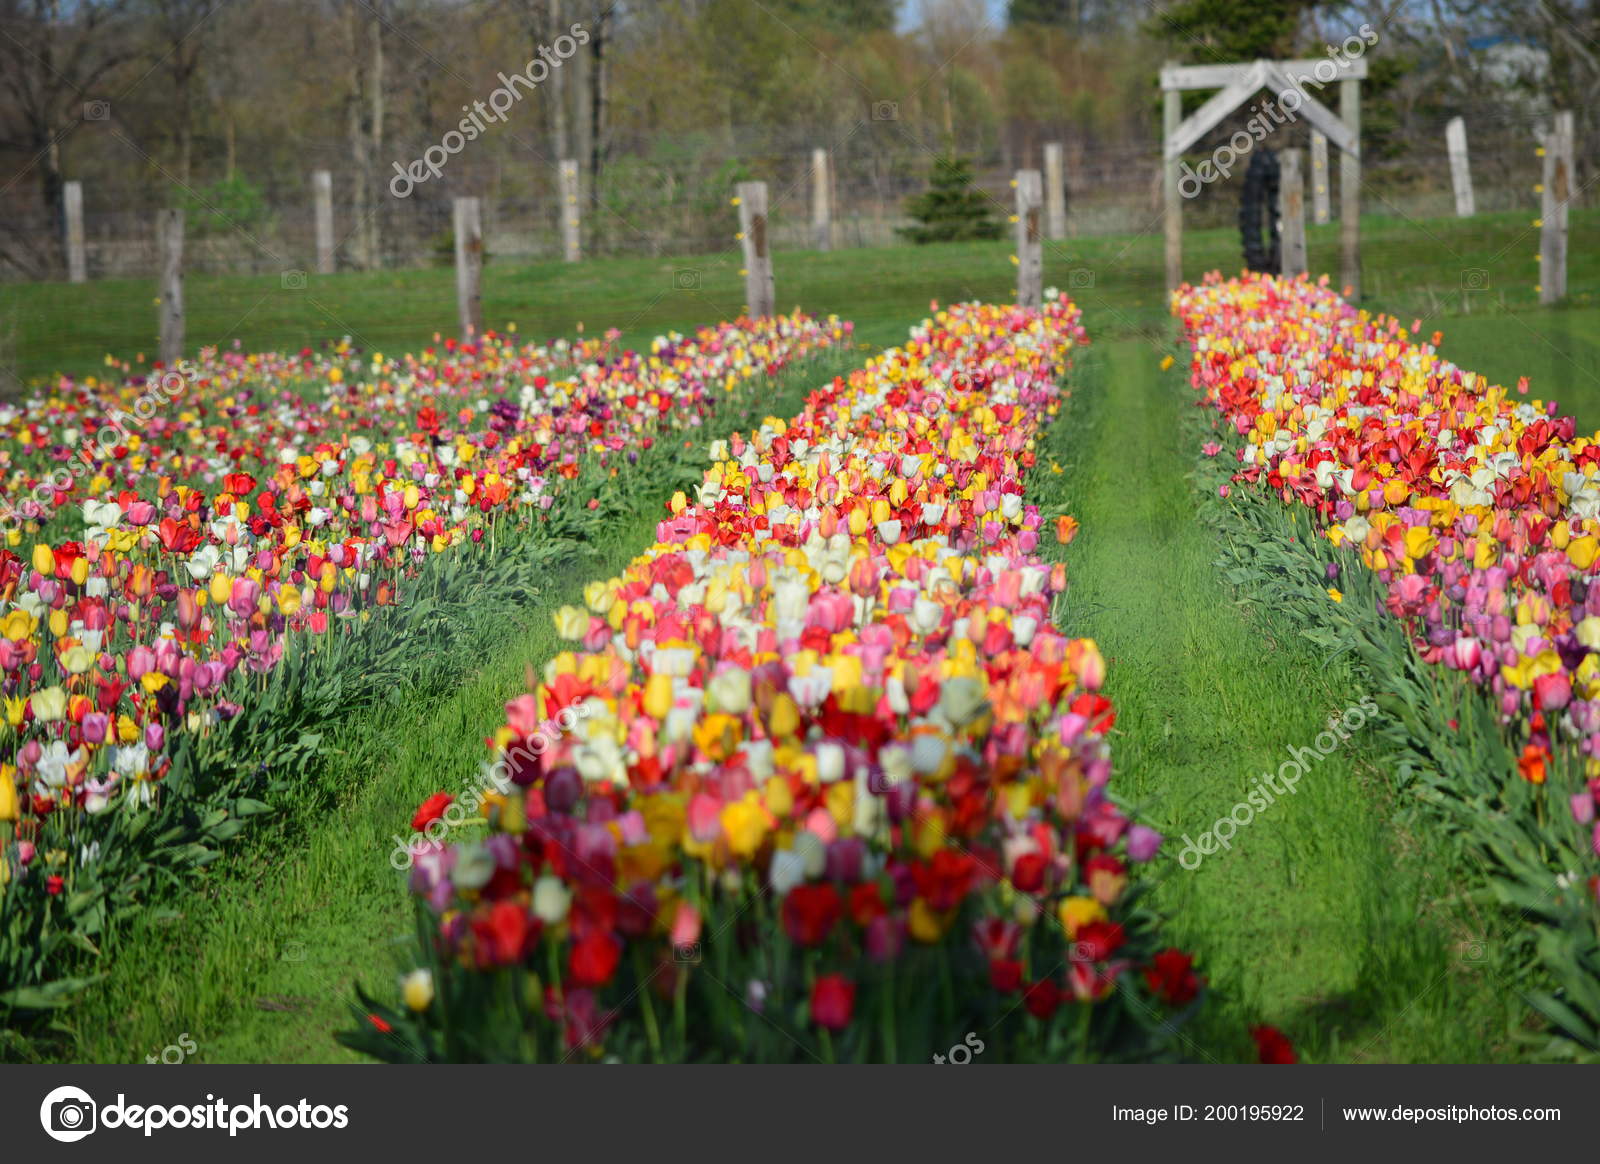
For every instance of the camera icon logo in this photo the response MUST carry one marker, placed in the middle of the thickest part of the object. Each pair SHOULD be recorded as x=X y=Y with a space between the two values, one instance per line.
x=686 y=279
x=886 y=111
x=68 y=1114
x=1474 y=279
x=292 y=280
x=97 y=111
x=687 y=953
x=1080 y=278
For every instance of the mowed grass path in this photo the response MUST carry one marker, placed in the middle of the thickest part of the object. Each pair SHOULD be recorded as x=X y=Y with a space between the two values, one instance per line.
x=1323 y=918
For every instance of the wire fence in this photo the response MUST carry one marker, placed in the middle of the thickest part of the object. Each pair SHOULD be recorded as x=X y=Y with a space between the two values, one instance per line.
x=671 y=196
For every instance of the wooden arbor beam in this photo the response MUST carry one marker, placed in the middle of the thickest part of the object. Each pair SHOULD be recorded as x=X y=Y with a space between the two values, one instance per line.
x=1288 y=81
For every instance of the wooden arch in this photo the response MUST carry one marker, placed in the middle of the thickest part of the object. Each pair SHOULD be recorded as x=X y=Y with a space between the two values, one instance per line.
x=1238 y=84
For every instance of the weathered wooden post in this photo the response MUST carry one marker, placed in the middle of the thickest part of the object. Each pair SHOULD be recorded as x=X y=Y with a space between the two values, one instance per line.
x=570 y=247
x=1557 y=192
x=1172 y=200
x=1055 y=191
x=1320 y=210
x=1292 y=214
x=1350 y=189
x=760 y=294
x=169 y=244
x=821 y=202
x=468 y=224
x=322 y=198
x=1455 y=138
x=1030 y=238
x=72 y=210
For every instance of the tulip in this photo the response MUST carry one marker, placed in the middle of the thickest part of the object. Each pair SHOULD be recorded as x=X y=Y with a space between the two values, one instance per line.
x=833 y=1000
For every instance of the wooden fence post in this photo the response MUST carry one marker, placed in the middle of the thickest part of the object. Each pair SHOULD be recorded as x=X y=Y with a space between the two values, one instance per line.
x=760 y=294
x=1350 y=190
x=1558 y=150
x=1030 y=238
x=169 y=244
x=1320 y=210
x=1172 y=200
x=468 y=224
x=322 y=197
x=1292 y=214
x=571 y=249
x=1455 y=137
x=1055 y=191
x=821 y=202
x=72 y=208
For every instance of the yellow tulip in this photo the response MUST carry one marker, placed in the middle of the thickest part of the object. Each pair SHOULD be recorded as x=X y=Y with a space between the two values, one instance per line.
x=657 y=697
x=744 y=822
x=927 y=925
x=10 y=809
x=784 y=718
x=1077 y=912
x=44 y=560
x=779 y=797
x=572 y=622
x=18 y=625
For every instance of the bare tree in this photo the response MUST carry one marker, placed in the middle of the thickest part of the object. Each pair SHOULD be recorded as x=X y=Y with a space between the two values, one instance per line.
x=54 y=55
x=364 y=123
x=182 y=26
x=544 y=21
x=600 y=32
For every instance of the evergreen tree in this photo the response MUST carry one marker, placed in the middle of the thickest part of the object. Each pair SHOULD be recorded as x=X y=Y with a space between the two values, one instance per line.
x=950 y=210
x=1231 y=30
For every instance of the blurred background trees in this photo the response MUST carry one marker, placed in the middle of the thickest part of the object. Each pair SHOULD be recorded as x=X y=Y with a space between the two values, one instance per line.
x=227 y=106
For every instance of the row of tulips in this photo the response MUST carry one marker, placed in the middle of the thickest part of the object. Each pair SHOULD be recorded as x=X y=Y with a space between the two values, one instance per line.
x=154 y=580
x=820 y=778
x=1477 y=512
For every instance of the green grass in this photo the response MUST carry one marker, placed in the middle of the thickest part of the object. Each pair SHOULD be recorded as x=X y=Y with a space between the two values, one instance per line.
x=1323 y=919
x=1412 y=268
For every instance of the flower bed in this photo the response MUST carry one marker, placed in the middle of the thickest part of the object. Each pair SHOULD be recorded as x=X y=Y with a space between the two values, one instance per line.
x=271 y=508
x=1478 y=515
x=821 y=779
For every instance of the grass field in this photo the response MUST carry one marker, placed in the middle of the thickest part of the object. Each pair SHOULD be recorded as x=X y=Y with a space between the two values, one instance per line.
x=1413 y=269
x=1324 y=920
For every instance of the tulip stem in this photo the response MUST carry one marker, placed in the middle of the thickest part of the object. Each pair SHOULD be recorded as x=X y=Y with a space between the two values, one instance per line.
x=889 y=1003
x=651 y=1029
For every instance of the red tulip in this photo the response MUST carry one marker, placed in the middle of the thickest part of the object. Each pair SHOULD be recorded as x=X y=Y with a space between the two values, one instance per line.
x=431 y=810
x=1272 y=1045
x=810 y=912
x=833 y=1001
x=593 y=959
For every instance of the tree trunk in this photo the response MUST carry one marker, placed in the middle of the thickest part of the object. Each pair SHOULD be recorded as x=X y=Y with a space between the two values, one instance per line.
x=557 y=101
x=364 y=105
x=597 y=103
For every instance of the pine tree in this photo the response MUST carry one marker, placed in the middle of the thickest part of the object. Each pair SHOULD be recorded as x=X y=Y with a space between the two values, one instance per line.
x=950 y=210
